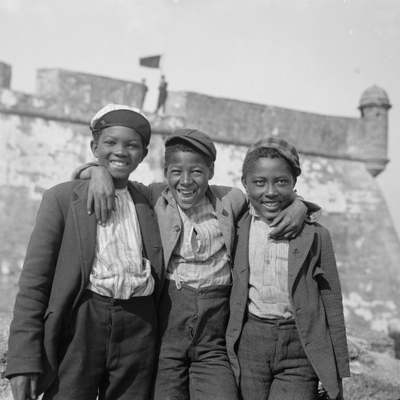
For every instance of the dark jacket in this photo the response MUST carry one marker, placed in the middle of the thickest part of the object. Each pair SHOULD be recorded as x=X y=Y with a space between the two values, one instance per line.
x=315 y=297
x=56 y=273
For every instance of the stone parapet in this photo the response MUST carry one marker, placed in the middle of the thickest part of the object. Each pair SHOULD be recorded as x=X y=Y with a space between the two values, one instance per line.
x=66 y=95
x=237 y=122
x=75 y=96
x=80 y=94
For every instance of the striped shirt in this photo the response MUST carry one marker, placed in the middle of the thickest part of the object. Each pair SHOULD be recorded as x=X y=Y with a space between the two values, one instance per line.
x=268 y=261
x=119 y=270
x=200 y=258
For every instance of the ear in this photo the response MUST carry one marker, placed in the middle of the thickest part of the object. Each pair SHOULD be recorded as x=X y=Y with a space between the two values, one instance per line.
x=94 y=146
x=144 y=153
x=211 y=169
x=243 y=179
x=165 y=170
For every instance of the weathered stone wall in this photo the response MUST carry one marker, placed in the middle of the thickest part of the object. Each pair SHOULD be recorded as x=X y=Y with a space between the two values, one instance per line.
x=238 y=122
x=45 y=136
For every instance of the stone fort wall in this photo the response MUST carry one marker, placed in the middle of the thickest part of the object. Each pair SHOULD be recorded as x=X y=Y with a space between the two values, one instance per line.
x=46 y=135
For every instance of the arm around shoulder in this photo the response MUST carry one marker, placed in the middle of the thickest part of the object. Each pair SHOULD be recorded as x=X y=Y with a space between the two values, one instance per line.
x=314 y=211
x=82 y=172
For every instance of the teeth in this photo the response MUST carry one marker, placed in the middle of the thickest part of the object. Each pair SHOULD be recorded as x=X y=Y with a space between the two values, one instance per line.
x=271 y=204
x=119 y=163
x=186 y=193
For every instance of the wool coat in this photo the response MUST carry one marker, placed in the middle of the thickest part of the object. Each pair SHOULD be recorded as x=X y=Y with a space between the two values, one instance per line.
x=315 y=298
x=56 y=273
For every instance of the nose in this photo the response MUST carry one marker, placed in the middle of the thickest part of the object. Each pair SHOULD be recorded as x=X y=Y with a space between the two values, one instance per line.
x=270 y=190
x=186 y=178
x=120 y=150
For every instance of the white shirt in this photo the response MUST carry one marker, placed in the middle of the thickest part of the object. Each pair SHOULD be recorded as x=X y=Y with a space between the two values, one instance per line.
x=119 y=270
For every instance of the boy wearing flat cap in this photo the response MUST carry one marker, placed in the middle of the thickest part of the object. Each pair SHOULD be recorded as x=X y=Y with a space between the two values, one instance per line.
x=197 y=225
x=85 y=324
x=286 y=328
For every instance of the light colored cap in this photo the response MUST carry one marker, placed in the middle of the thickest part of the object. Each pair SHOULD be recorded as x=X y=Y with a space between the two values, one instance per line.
x=122 y=115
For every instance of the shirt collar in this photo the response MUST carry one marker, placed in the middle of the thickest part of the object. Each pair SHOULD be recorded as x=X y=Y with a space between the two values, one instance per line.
x=255 y=215
x=252 y=211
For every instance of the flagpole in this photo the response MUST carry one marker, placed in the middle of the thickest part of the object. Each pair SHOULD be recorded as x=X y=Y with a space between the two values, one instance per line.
x=162 y=63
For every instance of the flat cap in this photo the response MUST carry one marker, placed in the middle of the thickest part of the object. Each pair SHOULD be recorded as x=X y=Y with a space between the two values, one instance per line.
x=122 y=115
x=286 y=149
x=197 y=139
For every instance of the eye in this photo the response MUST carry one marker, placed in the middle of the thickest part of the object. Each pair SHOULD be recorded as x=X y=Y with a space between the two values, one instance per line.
x=282 y=182
x=109 y=142
x=197 y=172
x=259 y=182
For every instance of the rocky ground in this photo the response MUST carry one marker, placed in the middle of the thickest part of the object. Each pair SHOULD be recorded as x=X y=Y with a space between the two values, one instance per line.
x=375 y=371
x=4 y=324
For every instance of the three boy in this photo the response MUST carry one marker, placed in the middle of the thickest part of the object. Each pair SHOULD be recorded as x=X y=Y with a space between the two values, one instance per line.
x=91 y=327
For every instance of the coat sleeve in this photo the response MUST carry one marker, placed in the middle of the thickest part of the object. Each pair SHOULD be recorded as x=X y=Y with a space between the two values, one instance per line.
x=26 y=330
x=331 y=294
x=151 y=192
x=314 y=211
x=76 y=173
x=239 y=203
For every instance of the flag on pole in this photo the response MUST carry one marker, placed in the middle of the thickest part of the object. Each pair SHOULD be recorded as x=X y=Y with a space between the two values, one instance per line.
x=151 y=62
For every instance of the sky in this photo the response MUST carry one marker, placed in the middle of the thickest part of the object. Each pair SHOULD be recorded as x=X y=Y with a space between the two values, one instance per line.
x=309 y=55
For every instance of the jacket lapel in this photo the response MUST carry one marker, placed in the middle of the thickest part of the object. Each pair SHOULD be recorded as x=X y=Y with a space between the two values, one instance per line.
x=298 y=251
x=242 y=250
x=223 y=219
x=145 y=217
x=86 y=227
x=151 y=241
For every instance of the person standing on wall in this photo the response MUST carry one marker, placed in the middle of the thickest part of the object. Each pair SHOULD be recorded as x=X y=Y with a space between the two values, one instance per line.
x=162 y=96
x=144 y=92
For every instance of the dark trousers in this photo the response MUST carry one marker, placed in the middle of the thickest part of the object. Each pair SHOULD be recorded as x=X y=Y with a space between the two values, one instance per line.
x=192 y=351
x=108 y=350
x=273 y=363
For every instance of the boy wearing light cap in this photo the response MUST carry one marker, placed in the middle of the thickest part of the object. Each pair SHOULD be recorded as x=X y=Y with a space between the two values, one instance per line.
x=197 y=225
x=286 y=329
x=85 y=324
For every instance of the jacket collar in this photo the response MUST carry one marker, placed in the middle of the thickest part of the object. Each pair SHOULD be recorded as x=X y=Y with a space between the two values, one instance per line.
x=242 y=249
x=223 y=215
x=298 y=251
x=82 y=189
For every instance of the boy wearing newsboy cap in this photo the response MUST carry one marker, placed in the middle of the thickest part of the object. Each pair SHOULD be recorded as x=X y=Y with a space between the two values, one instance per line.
x=197 y=225
x=85 y=324
x=286 y=328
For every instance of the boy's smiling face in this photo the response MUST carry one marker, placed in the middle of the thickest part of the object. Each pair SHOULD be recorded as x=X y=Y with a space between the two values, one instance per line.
x=270 y=185
x=120 y=150
x=188 y=176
